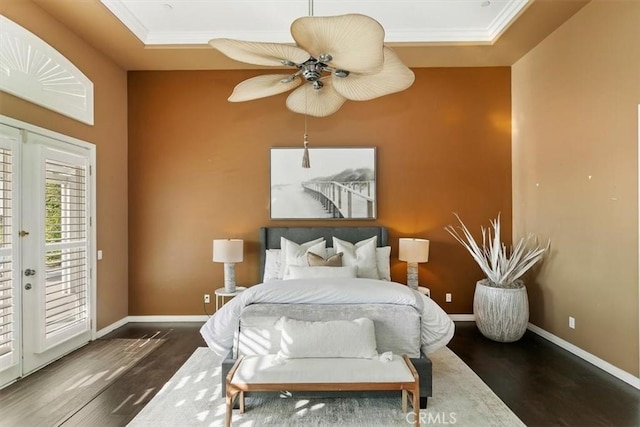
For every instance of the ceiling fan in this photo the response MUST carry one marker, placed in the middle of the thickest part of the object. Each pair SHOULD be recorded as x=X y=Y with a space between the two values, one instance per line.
x=336 y=58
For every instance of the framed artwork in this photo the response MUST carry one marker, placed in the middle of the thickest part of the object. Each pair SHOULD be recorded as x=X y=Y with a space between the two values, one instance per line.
x=340 y=184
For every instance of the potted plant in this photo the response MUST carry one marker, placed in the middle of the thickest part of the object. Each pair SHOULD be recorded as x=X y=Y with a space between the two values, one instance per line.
x=500 y=304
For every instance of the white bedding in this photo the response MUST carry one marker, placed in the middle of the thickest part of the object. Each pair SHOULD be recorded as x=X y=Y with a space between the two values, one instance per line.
x=436 y=327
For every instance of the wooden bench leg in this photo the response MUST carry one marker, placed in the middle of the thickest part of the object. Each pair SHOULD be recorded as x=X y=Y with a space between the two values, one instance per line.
x=230 y=399
x=404 y=401
x=232 y=393
x=242 y=402
x=416 y=404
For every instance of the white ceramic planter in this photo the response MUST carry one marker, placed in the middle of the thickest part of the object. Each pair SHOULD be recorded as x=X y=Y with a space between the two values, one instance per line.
x=501 y=314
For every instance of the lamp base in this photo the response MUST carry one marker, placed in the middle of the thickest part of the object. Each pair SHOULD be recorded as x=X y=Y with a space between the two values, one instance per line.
x=412 y=275
x=229 y=277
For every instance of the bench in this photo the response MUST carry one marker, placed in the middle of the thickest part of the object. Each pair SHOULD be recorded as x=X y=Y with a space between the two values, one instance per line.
x=267 y=373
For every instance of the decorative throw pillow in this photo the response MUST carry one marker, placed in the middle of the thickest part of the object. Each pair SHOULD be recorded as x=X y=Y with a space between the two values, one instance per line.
x=362 y=255
x=317 y=261
x=321 y=272
x=333 y=338
x=295 y=254
x=272 y=265
x=383 y=256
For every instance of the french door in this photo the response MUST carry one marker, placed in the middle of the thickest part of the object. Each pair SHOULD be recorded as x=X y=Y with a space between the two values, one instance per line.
x=46 y=249
x=10 y=337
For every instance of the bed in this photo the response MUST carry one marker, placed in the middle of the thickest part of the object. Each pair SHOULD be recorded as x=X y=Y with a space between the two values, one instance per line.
x=405 y=321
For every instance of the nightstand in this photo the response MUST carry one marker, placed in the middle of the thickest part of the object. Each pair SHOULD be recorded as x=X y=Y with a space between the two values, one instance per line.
x=222 y=294
x=424 y=290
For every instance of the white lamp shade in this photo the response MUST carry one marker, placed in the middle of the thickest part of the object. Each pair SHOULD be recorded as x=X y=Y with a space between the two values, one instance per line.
x=414 y=250
x=227 y=250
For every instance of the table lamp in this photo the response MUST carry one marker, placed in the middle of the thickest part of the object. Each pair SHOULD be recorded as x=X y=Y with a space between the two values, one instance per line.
x=228 y=251
x=413 y=251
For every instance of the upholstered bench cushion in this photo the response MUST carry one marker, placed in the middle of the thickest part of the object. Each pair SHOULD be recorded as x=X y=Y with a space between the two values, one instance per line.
x=268 y=369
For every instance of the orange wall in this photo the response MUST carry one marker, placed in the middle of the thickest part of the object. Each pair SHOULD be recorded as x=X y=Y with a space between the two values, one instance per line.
x=575 y=163
x=199 y=170
x=109 y=134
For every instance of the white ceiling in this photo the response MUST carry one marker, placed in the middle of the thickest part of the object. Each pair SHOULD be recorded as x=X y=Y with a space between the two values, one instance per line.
x=192 y=22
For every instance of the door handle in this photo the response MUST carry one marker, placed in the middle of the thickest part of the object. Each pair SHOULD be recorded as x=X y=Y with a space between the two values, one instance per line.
x=27 y=286
x=29 y=272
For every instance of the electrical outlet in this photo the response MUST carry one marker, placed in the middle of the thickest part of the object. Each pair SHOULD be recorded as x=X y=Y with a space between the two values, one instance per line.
x=572 y=322
x=448 y=297
x=207 y=298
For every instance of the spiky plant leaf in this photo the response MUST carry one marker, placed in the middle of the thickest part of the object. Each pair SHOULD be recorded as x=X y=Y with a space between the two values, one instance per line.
x=501 y=266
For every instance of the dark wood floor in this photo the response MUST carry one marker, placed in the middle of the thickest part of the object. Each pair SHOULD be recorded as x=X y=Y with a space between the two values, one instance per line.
x=542 y=383
x=545 y=385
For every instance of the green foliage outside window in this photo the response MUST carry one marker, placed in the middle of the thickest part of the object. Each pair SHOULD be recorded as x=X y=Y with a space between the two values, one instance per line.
x=53 y=221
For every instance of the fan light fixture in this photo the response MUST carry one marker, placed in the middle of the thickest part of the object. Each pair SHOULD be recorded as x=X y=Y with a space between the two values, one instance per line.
x=336 y=58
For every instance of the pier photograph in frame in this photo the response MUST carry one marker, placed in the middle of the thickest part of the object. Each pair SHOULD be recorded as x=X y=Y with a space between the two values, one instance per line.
x=340 y=184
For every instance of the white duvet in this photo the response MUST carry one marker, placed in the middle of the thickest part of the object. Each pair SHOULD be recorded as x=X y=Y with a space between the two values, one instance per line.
x=437 y=328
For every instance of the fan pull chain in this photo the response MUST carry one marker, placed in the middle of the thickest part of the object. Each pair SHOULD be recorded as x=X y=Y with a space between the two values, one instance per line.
x=306 y=164
x=305 y=155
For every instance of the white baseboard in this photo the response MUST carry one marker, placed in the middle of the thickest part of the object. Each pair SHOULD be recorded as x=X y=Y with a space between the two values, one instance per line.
x=169 y=318
x=462 y=317
x=594 y=360
x=112 y=327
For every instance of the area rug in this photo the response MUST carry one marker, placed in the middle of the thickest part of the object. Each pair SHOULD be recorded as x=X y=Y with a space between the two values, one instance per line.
x=54 y=393
x=193 y=398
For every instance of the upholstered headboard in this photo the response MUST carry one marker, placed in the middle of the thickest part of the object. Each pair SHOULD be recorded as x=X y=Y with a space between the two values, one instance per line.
x=270 y=236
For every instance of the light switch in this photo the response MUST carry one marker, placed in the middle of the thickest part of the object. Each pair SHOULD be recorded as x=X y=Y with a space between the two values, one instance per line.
x=99 y=255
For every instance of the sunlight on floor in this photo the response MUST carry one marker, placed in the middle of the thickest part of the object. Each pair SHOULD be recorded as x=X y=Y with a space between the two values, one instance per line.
x=90 y=379
x=200 y=395
x=77 y=384
x=202 y=416
x=304 y=402
x=201 y=376
x=183 y=382
x=94 y=378
x=144 y=395
x=249 y=423
x=116 y=373
x=124 y=402
x=221 y=410
x=301 y=403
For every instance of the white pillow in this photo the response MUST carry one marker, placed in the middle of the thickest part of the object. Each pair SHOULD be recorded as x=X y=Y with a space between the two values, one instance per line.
x=362 y=255
x=295 y=254
x=272 y=265
x=302 y=272
x=383 y=260
x=383 y=256
x=333 y=338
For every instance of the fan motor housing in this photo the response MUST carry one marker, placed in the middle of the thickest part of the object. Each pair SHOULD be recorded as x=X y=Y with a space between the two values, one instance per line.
x=312 y=70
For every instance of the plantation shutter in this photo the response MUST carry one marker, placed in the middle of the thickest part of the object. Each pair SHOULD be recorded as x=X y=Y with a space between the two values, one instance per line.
x=9 y=282
x=66 y=247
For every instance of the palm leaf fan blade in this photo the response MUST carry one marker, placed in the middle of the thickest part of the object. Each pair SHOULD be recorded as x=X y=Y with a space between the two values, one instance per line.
x=317 y=103
x=262 y=86
x=393 y=77
x=354 y=41
x=259 y=53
